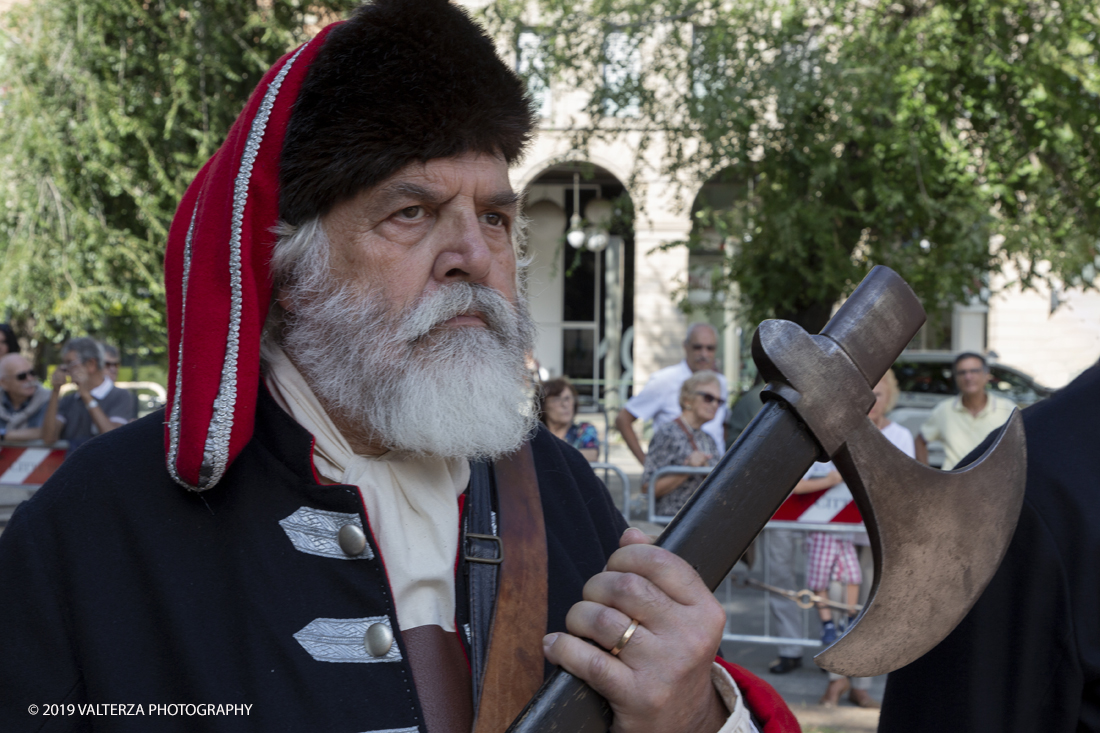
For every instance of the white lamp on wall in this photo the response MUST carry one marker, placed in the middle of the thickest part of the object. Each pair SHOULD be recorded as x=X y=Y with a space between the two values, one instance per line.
x=598 y=212
x=576 y=235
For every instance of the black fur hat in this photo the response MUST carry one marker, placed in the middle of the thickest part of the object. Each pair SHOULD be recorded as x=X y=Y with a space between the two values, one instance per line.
x=401 y=81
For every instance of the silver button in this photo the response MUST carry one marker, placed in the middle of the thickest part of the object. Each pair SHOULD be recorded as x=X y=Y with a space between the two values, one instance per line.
x=352 y=540
x=378 y=639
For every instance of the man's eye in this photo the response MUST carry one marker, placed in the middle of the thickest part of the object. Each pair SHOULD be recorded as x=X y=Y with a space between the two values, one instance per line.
x=493 y=219
x=411 y=212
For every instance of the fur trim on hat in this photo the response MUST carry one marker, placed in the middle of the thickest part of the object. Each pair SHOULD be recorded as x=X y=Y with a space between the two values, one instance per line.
x=401 y=81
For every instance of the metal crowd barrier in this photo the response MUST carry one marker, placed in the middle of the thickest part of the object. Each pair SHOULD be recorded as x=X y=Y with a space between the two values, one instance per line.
x=726 y=589
x=662 y=518
x=624 y=480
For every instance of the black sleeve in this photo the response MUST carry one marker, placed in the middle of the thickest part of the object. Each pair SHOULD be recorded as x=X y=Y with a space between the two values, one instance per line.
x=37 y=664
x=582 y=524
x=1011 y=666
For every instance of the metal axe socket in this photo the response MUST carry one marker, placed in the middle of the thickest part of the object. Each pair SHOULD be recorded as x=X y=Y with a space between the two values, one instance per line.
x=817 y=403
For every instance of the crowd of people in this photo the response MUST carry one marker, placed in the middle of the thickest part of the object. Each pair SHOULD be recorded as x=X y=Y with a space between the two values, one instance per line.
x=30 y=411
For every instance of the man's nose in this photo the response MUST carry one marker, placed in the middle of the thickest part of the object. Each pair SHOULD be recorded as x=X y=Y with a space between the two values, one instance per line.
x=465 y=253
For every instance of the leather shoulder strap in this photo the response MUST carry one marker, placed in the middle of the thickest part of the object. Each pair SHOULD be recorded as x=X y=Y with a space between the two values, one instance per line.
x=482 y=551
x=514 y=669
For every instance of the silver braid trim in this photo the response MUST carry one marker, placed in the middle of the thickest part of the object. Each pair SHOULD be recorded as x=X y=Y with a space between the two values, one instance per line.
x=174 y=415
x=215 y=458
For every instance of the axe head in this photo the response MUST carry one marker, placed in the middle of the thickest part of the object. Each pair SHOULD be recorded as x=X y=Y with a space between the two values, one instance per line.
x=937 y=539
x=937 y=536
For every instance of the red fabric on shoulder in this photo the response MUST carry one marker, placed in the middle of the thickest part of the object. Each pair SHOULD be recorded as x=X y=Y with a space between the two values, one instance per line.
x=762 y=699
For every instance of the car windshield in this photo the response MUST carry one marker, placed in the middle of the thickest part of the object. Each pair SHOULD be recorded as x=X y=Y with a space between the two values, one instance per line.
x=925 y=378
x=935 y=378
x=1016 y=387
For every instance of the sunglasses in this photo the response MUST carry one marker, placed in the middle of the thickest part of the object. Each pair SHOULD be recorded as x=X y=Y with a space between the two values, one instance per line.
x=110 y=364
x=708 y=397
x=23 y=375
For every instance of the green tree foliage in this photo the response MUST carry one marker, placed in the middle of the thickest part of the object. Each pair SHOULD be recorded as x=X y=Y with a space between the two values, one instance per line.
x=108 y=109
x=944 y=139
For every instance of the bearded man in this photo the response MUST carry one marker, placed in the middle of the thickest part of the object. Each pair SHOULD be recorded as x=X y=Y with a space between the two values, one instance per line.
x=316 y=540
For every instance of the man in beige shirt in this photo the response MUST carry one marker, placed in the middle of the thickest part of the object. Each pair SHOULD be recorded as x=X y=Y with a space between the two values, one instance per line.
x=963 y=422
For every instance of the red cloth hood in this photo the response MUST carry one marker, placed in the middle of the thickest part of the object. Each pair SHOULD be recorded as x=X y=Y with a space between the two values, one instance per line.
x=222 y=233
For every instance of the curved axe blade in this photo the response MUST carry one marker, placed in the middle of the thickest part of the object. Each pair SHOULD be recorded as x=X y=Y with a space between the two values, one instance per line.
x=937 y=539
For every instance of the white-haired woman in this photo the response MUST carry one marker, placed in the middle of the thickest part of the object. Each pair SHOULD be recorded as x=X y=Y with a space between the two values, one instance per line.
x=682 y=442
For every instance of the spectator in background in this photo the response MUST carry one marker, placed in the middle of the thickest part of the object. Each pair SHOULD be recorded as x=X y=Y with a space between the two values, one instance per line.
x=660 y=399
x=829 y=556
x=8 y=343
x=557 y=408
x=23 y=400
x=963 y=422
x=683 y=442
x=780 y=549
x=112 y=360
x=886 y=397
x=96 y=406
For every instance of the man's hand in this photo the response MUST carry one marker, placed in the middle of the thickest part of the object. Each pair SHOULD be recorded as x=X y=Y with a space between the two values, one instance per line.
x=660 y=682
x=59 y=377
x=79 y=375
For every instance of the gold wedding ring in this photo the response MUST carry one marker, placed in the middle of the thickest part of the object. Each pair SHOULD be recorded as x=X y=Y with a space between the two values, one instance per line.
x=625 y=638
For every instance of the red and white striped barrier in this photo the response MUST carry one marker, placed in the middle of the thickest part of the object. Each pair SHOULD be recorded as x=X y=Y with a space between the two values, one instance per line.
x=830 y=506
x=28 y=466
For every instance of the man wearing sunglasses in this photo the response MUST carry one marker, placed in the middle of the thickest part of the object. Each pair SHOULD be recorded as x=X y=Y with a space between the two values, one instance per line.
x=22 y=400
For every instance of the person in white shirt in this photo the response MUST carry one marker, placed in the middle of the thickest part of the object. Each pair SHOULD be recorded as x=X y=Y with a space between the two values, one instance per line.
x=659 y=401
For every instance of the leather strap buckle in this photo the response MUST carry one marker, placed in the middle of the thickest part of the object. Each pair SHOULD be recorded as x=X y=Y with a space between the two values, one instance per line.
x=487 y=560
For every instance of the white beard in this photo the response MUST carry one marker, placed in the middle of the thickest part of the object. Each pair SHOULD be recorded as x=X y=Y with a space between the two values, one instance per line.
x=410 y=383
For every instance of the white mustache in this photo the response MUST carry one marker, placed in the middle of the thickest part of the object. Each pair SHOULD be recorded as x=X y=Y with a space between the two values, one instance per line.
x=449 y=301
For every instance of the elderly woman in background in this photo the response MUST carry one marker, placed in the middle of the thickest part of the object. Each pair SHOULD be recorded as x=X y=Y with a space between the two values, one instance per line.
x=557 y=408
x=682 y=442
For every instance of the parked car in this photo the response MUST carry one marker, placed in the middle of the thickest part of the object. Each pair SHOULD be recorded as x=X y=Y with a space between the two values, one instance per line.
x=925 y=379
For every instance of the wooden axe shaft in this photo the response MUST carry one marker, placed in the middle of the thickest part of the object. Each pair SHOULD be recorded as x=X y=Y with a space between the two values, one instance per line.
x=711 y=532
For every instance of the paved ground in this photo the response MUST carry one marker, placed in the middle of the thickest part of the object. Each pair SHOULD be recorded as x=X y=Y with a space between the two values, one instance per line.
x=841 y=720
x=745 y=607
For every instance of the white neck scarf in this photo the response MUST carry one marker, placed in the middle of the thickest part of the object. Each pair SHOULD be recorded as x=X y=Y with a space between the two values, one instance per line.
x=411 y=503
